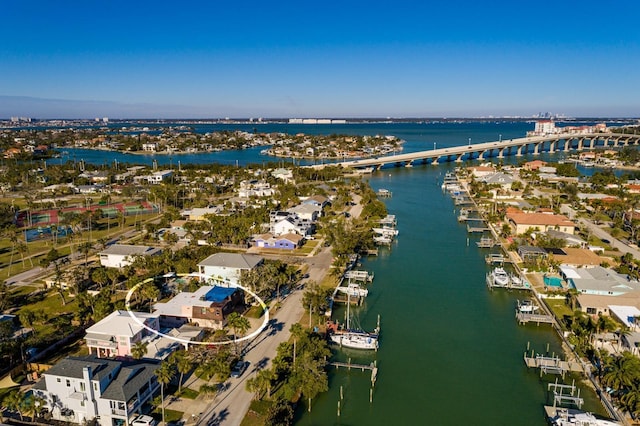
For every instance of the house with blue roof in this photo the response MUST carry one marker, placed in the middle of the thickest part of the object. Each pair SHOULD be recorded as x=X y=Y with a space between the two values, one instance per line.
x=206 y=307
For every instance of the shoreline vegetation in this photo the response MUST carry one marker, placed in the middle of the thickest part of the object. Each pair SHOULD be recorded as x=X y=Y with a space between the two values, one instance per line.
x=180 y=141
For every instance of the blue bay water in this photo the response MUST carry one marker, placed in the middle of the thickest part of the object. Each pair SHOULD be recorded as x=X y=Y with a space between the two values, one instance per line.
x=451 y=351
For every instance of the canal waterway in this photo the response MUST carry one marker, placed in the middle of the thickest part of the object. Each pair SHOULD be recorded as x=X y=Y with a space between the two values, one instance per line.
x=451 y=351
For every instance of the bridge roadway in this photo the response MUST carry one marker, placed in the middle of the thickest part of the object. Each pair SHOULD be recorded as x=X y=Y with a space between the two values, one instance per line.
x=561 y=142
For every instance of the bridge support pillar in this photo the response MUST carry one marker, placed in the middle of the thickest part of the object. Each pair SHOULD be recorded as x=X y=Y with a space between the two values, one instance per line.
x=459 y=158
x=501 y=153
x=580 y=144
x=434 y=162
x=552 y=147
x=519 y=153
x=567 y=145
x=409 y=163
x=536 y=148
x=481 y=155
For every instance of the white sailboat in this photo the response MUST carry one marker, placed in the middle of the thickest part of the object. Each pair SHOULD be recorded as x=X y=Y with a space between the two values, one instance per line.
x=355 y=339
x=354 y=289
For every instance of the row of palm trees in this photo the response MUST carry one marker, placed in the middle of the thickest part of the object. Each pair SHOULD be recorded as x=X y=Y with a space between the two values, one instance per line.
x=620 y=373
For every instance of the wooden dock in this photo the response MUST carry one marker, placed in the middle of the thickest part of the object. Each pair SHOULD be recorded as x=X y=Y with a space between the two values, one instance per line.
x=476 y=229
x=551 y=365
x=373 y=367
x=524 y=318
x=359 y=276
x=486 y=242
x=495 y=258
x=565 y=394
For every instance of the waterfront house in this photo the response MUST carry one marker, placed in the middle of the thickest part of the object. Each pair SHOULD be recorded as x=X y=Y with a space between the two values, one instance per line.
x=113 y=392
x=574 y=256
x=531 y=253
x=207 y=307
x=521 y=222
x=121 y=255
x=482 y=171
x=117 y=333
x=598 y=280
x=504 y=180
x=225 y=268
x=533 y=165
x=595 y=304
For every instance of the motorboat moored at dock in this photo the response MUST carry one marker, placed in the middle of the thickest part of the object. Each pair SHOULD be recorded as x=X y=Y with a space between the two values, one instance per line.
x=570 y=417
x=527 y=306
x=500 y=277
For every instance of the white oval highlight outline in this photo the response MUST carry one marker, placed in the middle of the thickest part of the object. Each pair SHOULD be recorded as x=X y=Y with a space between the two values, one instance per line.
x=190 y=342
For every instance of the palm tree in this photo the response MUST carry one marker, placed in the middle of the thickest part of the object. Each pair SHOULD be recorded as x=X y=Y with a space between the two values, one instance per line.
x=11 y=233
x=184 y=365
x=164 y=374
x=85 y=248
x=15 y=402
x=240 y=326
x=139 y=350
x=149 y=291
x=622 y=371
x=297 y=332
x=100 y=276
x=260 y=383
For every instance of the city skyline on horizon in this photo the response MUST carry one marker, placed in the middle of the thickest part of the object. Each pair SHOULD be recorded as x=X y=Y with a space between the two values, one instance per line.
x=354 y=60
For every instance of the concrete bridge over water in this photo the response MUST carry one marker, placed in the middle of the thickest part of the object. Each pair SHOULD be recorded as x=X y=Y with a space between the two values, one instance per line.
x=561 y=142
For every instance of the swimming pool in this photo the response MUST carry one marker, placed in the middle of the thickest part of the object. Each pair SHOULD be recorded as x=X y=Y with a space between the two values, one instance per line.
x=553 y=281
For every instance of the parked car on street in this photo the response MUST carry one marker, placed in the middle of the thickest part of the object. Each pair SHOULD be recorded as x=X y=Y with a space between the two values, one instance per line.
x=239 y=368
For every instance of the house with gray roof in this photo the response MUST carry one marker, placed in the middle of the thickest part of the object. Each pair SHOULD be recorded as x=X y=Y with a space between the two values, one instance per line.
x=80 y=389
x=225 y=268
x=598 y=280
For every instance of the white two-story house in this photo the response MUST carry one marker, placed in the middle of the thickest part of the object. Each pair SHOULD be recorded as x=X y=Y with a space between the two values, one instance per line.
x=80 y=389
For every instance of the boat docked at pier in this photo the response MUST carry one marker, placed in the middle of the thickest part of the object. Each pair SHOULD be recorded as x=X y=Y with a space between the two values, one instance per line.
x=527 y=307
x=354 y=290
x=569 y=417
x=353 y=338
x=500 y=277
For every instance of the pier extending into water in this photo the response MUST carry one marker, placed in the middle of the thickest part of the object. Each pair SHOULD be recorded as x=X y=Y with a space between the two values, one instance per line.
x=572 y=396
x=551 y=364
x=524 y=318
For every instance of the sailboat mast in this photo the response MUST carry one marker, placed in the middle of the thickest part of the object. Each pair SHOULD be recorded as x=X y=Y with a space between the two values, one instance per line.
x=348 y=305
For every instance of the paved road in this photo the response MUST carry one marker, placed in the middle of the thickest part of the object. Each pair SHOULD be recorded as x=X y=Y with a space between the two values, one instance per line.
x=599 y=232
x=230 y=407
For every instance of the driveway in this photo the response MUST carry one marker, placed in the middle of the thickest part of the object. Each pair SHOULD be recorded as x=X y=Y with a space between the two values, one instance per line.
x=599 y=232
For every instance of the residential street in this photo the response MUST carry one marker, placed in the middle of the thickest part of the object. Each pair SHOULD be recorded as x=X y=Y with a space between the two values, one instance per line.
x=230 y=406
x=599 y=232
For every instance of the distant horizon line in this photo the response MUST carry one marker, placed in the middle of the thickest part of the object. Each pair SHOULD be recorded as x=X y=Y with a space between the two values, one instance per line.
x=265 y=120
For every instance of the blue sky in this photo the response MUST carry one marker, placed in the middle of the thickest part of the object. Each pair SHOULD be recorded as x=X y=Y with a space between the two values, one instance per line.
x=139 y=59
